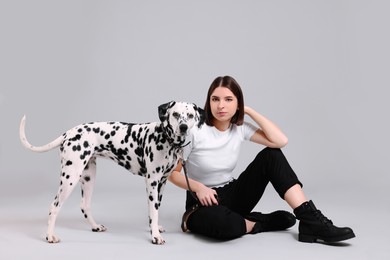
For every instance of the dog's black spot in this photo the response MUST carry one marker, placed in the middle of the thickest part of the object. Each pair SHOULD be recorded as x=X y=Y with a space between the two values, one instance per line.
x=139 y=151
x=85 y=144
x=142 y=171
x=151 y=156
x=68 y=163
x=128 y=132
x=151 y=138
x=102 y=133
x=113 y=133
x=134 y=136
x=96 y=129
x=85 y=216
x=67 y=176
x=158 y=169
x=128 y=166
x=151 y=198
x=79 y=130
x=107 y=136
x=156 y=205
x=154 y=184
x=87 y=178
x=85 y=154
x=75 y=138
x=76 y=148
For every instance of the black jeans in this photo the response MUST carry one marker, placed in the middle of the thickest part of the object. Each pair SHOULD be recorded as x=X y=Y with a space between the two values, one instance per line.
x=238 y=198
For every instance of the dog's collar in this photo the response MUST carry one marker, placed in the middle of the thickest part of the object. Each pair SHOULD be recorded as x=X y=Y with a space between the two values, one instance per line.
x=178 y=145
x=186 y=144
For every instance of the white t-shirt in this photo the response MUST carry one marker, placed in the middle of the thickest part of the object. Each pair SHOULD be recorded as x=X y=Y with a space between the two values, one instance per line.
x=212 y=155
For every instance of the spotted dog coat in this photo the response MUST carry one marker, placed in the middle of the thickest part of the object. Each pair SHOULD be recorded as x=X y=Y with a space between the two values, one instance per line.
x=151 y=150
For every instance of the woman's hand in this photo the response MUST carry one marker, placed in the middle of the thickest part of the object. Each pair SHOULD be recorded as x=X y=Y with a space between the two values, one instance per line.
x=206 y=195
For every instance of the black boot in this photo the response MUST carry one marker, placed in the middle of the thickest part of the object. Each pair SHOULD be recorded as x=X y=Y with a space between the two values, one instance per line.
x=314 y=225
x=278 y=220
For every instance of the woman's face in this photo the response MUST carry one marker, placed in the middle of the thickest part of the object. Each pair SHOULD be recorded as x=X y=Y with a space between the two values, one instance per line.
x=223 y=104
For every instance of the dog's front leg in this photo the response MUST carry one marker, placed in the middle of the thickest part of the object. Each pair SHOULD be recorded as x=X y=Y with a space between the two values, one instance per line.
x=152 y=187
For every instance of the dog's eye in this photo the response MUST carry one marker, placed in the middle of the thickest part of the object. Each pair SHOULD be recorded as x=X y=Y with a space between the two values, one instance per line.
x=190 y=116
x=176 y=115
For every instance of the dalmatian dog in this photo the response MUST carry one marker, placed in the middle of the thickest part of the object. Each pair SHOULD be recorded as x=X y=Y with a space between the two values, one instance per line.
x=150 y=150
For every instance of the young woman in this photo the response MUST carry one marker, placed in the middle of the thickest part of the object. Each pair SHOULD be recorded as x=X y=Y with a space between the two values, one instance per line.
x=222 y=207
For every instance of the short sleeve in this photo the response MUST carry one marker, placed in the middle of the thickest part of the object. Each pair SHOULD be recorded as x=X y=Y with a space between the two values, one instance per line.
x=248 y=130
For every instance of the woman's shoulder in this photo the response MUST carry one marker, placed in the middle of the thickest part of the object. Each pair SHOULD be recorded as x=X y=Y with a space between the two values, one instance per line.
x=246 y=130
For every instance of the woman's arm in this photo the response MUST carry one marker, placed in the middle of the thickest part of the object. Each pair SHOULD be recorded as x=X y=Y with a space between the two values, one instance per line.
x=206 y=195
x=269 y=134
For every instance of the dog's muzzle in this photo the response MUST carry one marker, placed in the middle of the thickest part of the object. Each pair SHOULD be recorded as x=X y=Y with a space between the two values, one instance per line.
x=183 y=129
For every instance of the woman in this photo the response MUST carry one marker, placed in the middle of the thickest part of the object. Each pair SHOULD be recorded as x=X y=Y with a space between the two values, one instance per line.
x=222 y=207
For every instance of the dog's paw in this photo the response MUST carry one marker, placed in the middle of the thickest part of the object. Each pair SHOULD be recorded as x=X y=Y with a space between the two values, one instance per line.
x=158 y=240
x=161 y=229
x=99 y=228
x=52 y=239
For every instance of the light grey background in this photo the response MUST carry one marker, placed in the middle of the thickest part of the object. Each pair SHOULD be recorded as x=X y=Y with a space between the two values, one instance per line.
x=319 y=69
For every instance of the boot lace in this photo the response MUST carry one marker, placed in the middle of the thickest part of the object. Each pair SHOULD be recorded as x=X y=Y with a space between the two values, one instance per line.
x=318 y=214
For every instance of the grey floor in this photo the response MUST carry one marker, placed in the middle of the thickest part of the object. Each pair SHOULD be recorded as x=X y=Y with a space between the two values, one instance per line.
x=124 y=213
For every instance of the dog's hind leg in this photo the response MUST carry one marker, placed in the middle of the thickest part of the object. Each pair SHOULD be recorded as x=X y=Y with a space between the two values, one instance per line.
x=69 y=179
x=87 y=184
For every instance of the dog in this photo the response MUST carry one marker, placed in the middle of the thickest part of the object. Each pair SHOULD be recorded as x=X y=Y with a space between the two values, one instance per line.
x=151 y=150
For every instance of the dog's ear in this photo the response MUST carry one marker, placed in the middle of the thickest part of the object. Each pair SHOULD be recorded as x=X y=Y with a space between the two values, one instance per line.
x=200 y=115
x=163 y=109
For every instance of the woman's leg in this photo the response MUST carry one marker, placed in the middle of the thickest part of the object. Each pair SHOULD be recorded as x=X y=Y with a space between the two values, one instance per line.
x=294 y=196
x=269 y=166
x=218 y=222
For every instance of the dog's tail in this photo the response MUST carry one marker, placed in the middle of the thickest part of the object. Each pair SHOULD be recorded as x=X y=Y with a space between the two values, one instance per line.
x=40 y=149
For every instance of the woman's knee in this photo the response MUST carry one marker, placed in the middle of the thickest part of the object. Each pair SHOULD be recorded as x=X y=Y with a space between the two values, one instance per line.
x=271 y=151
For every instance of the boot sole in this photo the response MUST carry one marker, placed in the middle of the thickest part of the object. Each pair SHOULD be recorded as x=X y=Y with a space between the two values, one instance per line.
x=311 y=238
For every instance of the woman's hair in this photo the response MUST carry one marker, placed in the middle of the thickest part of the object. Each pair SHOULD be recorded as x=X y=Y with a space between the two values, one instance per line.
x=232 y=85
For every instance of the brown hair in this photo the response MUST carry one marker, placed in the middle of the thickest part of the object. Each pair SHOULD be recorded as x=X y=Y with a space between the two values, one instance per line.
x=232 y=85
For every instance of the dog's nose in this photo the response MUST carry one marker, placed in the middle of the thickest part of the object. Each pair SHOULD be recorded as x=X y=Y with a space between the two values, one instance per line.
x=183 y=128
